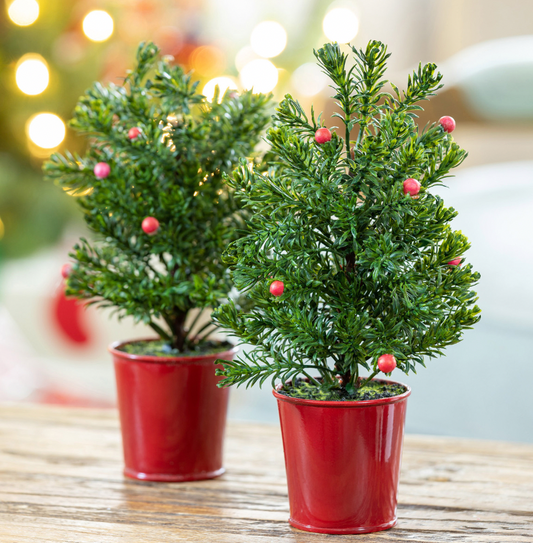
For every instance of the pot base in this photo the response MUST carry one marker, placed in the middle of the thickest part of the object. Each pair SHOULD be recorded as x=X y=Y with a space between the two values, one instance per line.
x=172 y=478
x=355 y=530
x=172 y=415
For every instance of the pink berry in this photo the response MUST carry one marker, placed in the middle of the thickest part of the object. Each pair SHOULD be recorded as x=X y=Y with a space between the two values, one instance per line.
x=134 y=133
x=411 y=186
x=322 y=135
x=150 y=226
x=276 y=288
x=102 y=170
x=386 y=363
x=66 y=270
x=455 y=262
x=448 y=123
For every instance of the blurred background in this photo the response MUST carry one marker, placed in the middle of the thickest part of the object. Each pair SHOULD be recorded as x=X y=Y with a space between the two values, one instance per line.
x=53 y=351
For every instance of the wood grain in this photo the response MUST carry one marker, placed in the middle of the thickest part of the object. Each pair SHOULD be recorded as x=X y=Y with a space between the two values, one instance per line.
x=61 y=481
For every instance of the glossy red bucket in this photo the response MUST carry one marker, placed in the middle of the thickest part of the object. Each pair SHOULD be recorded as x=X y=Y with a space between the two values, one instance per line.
x=343 y=462
x=172 y=415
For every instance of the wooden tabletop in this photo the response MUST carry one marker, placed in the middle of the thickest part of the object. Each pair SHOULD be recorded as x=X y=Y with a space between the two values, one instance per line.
x=61 y=481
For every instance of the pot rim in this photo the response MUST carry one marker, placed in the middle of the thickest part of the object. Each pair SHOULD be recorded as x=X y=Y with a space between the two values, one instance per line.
x=347 y=403
x=202 y=358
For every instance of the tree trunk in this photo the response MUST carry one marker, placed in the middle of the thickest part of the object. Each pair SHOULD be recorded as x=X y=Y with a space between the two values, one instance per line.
x=179 y=331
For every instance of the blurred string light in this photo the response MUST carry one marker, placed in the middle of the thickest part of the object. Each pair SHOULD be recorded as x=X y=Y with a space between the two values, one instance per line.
x=340 y=25
x=98 y=25
x=23 y=12
x=32 y=74
x=69 y=48
x=207 y=60
x=259 y=75
x=268 y=39
x=245 y=55
x=46 y=130
x=223 y=83
x=309 y=79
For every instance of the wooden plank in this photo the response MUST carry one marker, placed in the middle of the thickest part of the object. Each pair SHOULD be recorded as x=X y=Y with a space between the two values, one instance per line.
x=61 y=481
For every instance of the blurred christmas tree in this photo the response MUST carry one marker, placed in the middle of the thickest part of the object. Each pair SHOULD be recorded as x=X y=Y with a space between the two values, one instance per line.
x=70 y=44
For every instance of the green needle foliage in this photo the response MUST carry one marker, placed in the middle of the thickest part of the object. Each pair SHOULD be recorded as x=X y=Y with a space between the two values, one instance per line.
x=174 y=172
x=365 y=267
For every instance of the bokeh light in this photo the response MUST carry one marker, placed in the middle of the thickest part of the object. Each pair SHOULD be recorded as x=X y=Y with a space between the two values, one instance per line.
x=207 y=60
x=69 y=48
x=224 y=83
x=32 y=75
x=341 y=25
x=309 y=79
x=268 y=39
x=98 y=25
x=2 y=229
x=23 y=12
x=244 y=55
x=46 y=130
x=259 y=75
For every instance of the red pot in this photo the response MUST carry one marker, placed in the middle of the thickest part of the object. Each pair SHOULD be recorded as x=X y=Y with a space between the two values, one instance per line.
x=172 y=415
x=343 y=462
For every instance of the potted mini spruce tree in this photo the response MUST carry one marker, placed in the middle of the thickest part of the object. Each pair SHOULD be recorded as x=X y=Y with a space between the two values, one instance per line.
x=352 y=268
x=151 y=189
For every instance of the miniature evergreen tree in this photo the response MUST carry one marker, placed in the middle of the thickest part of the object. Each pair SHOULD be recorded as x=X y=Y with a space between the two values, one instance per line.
x=152 y=190
x=349 y=257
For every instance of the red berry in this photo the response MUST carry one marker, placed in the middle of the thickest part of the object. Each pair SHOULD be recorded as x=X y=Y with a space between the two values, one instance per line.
x=411 y=186
x=66 y=270
x=322 y=135
x=150 y=226
x=276 y=288
x=386 y=363
x=102 y=170
x=134 y=133
x=448 y=123
x=455 y=262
